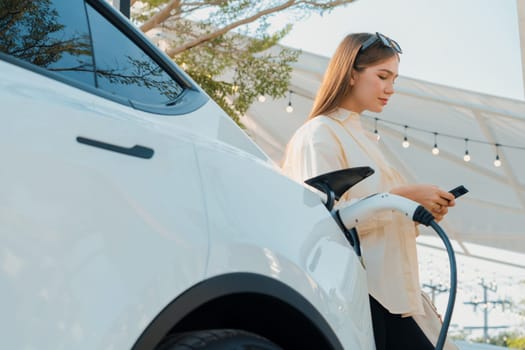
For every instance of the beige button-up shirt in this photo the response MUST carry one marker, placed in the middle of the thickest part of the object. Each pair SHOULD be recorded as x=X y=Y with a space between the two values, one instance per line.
x=388 y=241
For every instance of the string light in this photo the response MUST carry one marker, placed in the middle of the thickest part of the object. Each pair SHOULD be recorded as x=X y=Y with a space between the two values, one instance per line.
x=261 y=98
x=289 y=108
x=405 y=142
x=378 y=137
x=497 y=161
x=435 y=150
x=466 y=157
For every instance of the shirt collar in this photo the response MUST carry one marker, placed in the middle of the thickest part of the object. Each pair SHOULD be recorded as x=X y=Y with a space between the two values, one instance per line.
x=343 y=114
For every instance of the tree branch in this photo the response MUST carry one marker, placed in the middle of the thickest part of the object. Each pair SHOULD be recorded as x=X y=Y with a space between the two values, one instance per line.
x=330 y=4
x=176 y=50
x=160 y=16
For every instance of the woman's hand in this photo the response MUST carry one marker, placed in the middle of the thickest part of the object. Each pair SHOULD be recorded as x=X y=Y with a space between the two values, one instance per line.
x=431 y=197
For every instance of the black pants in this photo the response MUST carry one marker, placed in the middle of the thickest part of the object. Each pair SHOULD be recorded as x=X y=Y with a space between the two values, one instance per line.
x=393 y=332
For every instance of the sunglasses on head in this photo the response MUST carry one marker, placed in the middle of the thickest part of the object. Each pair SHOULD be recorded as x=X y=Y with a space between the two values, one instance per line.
x=386 y=41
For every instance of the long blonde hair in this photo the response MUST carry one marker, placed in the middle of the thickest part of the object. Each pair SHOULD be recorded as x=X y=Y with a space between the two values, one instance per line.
x=336 y=81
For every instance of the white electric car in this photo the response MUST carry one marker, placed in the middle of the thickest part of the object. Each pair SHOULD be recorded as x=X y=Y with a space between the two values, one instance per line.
x=134 y=214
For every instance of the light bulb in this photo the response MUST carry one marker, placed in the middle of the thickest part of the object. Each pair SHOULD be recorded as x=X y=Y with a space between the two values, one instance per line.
x=289 y=108
x=405 y=143
x=435 y=150
x=378 y=137
x=466 y=157
x=497 y=162
x=262 y=98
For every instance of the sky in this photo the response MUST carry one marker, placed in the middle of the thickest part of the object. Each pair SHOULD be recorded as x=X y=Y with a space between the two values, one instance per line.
x=470 y=44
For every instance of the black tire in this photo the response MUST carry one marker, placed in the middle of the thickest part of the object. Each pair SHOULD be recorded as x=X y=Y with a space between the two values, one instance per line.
x=217 y=339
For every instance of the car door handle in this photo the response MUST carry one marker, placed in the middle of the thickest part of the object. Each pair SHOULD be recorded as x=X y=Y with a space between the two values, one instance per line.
x=135 y=151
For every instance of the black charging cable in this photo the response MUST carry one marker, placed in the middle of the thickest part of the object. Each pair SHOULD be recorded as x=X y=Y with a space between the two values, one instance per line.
x=424 y=217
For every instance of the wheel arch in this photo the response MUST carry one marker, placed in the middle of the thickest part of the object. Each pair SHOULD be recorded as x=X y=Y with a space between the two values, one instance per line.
x=247 y=301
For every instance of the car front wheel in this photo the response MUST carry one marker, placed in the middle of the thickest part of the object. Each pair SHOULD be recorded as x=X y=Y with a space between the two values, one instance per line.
x=219 y=339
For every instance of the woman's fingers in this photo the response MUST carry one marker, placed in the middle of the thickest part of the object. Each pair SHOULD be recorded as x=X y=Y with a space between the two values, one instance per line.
x=439 y=210
x=438 y=216
x=447 y=197
x=442 y=202
x=431 y=197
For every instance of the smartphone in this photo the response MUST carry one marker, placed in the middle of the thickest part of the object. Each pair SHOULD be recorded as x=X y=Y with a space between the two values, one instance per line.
x=458 y=191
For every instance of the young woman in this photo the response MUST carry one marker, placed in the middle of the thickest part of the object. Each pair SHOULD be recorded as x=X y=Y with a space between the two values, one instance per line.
x=359 y=77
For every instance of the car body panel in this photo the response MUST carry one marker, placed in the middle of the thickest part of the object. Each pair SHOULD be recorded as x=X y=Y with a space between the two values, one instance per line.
x=92 y=241
x=265 y=223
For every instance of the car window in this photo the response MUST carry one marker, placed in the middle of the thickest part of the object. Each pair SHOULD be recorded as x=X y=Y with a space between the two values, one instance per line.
x=124 y=69
x=50 y=34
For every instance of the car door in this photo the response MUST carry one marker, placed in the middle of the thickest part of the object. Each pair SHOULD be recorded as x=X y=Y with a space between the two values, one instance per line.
x=102 y=220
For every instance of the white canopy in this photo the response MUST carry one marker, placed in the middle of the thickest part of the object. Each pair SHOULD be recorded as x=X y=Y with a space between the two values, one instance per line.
x=492 y=213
